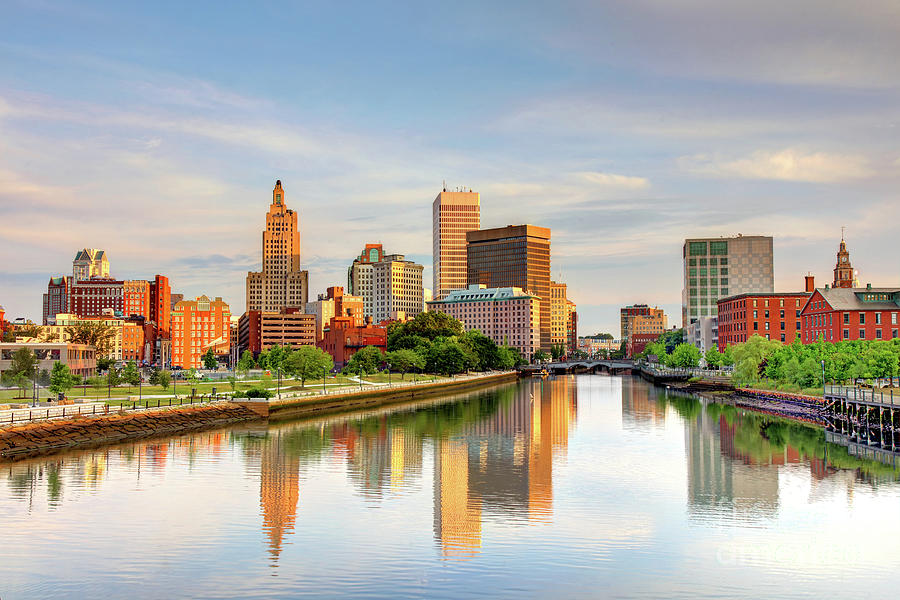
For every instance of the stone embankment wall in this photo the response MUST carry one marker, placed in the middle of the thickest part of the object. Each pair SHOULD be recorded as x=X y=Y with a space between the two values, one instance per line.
x=381 y=396
x=46 y=437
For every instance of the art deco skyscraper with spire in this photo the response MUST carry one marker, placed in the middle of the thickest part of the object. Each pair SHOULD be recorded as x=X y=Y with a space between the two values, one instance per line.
x=281 y=283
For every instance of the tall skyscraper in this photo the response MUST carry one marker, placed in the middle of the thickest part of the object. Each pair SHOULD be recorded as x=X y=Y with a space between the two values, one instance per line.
x=453 y=214
x=90 y=262
x=513 y=256
x=719 y=267
x=281 y=283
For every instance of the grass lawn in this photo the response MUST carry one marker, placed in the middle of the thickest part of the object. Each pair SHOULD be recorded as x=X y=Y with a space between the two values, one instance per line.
x=395 y=377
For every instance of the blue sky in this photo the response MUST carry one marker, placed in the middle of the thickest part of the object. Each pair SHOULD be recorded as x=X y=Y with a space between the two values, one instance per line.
x=156 y=131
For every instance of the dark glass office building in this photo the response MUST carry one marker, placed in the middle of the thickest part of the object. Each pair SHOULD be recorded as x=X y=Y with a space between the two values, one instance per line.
x=513 y=256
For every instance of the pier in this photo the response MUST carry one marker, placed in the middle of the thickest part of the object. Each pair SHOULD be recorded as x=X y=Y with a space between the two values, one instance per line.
x=863 y=417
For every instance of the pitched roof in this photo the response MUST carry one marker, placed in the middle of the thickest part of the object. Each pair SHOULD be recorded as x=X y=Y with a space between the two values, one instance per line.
x=855 y=298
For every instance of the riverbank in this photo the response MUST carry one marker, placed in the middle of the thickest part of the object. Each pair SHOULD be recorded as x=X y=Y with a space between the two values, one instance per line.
x=50 y=436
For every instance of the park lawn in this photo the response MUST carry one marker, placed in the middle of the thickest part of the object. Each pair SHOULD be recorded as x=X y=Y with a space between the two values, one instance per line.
x=396 y=377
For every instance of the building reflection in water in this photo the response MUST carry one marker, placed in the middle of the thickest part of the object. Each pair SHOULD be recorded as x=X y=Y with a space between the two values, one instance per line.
x=279 y=491
x=502 y=465
x=641 y=411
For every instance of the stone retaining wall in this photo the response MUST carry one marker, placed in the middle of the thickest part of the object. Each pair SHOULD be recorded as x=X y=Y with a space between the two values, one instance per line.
x=380 y=396
x=46 y=437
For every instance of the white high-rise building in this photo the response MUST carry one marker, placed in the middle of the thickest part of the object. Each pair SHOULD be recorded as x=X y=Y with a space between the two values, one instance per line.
x=389 y=285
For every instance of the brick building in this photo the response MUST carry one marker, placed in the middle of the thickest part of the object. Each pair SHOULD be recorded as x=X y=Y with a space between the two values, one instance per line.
x=197 y=326
x=641 y=318
x=81 y=359
x=335 y=303
x=56 y=299
x=342 y=339
x=840 y=314
x=637 y=342
x=772 y=316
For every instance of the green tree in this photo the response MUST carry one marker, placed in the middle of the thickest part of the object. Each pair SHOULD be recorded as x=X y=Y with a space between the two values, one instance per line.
x=209 y=360
x=112 y=377
x=17 y=380
x=308 y=362
x=246 y=363
x=93 y=333
x=130 y=374
x=539 y=356
x=750 y=356
x=232 y=381
x=482 y=351
x=509 y=358
x=161 y=378
x=61 y=379
x=671 y=339
x=713 y=358
x=447 y=356
x=262 y=360
x=365 y=361
x=426 y=326
x=557 y=351
x=404 y=360
x=25 y=362
x=104 y=363
x=685 y=356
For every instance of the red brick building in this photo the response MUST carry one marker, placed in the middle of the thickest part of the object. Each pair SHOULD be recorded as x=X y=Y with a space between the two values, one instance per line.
x=342 y=339
x=56 y=300
x=772 y=316
x=840 y=314
x=637 y=342
x=88 y=298
x=161 y=305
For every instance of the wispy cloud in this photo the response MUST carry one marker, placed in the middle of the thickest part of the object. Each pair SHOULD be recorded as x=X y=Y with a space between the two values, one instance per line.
x=785 y=165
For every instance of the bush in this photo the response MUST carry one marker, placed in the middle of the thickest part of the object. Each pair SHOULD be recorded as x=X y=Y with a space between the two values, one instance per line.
x=258 y=392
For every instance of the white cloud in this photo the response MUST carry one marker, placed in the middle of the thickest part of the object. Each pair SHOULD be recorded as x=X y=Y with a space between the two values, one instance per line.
x=785 y=165
x=613 y=180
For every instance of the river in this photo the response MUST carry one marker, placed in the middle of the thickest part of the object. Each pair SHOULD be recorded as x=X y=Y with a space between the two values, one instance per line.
x=583 y=486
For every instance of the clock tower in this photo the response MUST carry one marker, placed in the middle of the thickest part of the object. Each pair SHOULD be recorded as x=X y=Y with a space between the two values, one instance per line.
x=843 y=272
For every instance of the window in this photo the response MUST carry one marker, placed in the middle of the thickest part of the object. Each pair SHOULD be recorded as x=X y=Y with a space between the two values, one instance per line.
x=893 y=318
x=692 y=262
x=767 y=314
x=697 y=248
x=878 y=319
x=846 y=318
x=862 y=334
x=782 y=314
x=718 y=248
x=862 y=319
x=782 y=335
x=755 y=326
x=877 y=334
x=846 y=334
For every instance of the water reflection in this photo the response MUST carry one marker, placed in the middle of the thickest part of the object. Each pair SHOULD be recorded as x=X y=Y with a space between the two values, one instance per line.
x=549 y=474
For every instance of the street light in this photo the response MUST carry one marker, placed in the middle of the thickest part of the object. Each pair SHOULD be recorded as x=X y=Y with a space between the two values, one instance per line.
x=389 y=373
x=324 y=373
x=823 y=378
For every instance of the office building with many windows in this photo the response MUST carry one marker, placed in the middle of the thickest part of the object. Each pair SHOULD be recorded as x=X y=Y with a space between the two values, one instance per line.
x=453 y=215
x=716 y=268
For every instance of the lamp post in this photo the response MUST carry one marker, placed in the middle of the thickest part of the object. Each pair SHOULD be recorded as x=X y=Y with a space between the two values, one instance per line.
x=823 y=379
x=324 y=374
x=389 y=374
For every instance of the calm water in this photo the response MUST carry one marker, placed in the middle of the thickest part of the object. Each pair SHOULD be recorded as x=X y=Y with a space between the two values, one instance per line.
x=586 y=486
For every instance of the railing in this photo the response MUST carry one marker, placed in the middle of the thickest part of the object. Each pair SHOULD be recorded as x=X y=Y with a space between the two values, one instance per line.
x=858 y=394
x=26 y=415
x=689 y=371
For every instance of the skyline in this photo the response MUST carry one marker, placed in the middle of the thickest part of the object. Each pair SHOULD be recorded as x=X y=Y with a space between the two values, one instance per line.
x=622 y=140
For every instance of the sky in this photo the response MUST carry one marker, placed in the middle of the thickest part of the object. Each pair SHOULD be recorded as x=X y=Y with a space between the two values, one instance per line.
x=156 y=131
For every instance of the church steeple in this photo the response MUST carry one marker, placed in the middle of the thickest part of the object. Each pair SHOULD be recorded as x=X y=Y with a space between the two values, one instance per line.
x=843 y=271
